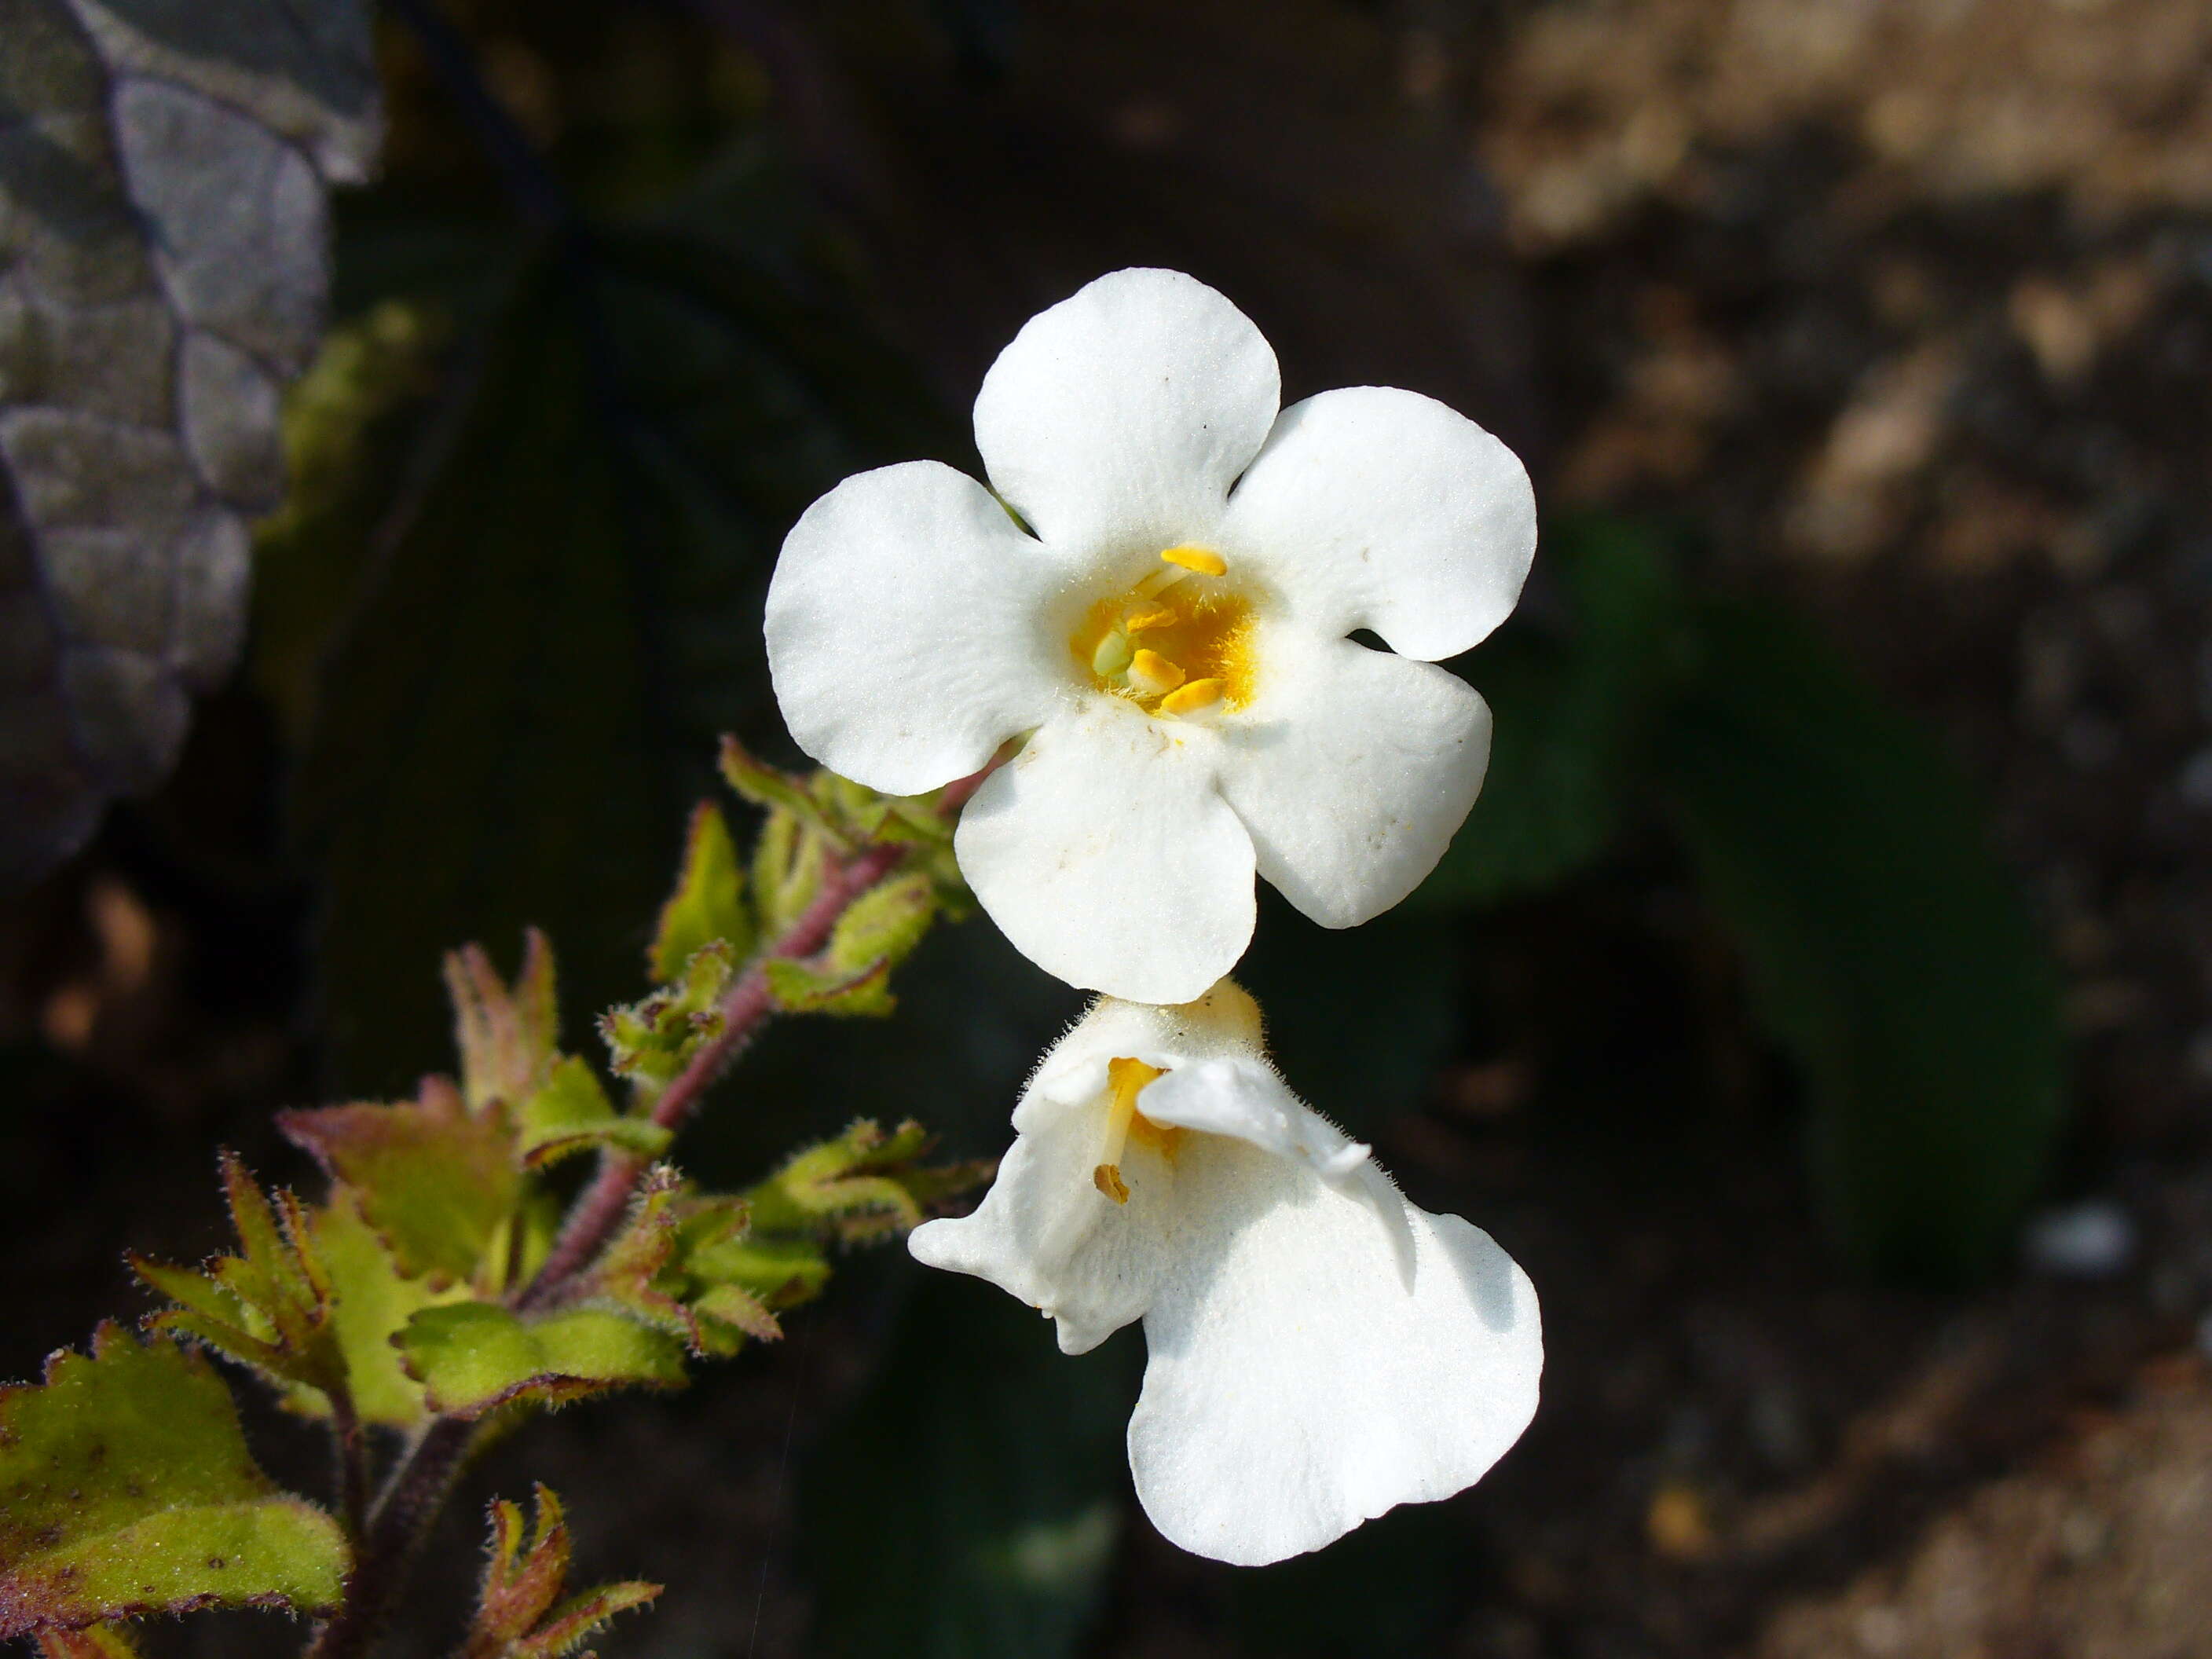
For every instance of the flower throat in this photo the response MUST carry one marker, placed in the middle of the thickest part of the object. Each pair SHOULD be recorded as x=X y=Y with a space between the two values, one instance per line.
x=1179 y=642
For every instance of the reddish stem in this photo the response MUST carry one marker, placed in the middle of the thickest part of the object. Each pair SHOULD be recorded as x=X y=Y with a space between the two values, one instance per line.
x=597 y=1214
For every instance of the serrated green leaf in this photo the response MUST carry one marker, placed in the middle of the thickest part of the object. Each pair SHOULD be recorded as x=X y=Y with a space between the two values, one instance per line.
x=570 y=1112
x=1572 y=711
x=472 y=1358
x=860 y=1186
x=667 y=1267
x=789 y=862
x=655 y=1038
x=508 y=1036
x=127 y=1488
x=752 y=779
x=439 y=1183
x=372 y=1300
x=883 y=924
x=709 y=900
x=1888 y=947
x=270 y=1305
x=520 y=1614
x=802 y=988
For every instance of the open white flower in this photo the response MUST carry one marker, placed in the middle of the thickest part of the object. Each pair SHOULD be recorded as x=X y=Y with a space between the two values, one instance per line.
x=1170 y=632
x=1319 y=1350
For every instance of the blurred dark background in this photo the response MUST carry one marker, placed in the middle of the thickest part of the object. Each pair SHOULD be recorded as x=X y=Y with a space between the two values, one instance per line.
x=1816 y=1003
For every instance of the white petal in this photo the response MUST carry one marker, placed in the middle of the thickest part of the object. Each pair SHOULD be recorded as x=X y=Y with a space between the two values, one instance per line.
x=1118 y=419
x=1372 y=507
x=1243 y=1099
x=1104 y=851
x=1046 y=1235
x=1296 y=1385
x=904 y=636
x=1352 y=770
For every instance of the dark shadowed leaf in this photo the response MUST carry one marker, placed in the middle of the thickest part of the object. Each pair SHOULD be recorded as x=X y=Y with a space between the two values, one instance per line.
x=969 y=1506
x=1574 y=706
x=524 y=1608
x=164 y=170
x=127 y=1488
x=525 y=704
x=1887 y=946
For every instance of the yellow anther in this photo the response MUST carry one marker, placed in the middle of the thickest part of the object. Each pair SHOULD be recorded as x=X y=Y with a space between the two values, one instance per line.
x=1203 y=560
x=1138 y=622
x=1112 y=655
x=1189 y=698
x=1153 y=674
x=1127 y=1078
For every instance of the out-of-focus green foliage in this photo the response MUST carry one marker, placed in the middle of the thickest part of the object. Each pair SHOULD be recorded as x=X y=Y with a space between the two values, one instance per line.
x=93 y=1642
x=1889 y=950
x=969 y=1506
x=523 y=1609
x=1891 y=955
x=127 y=1488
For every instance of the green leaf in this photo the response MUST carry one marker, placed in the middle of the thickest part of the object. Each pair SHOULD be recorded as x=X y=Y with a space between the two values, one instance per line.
x=803 y=988
x=521 y=1612
x=655 y=1038
x=127 y=1488
x=472 y=1358
x=778 y=791
x=271 y=1306
x=970 y=1504
x=1573 y=711
x=883 y=924
x=1889 y=948
x=571 y=1112
x=573 y=584
x=708 y=903
x=508 y=1037
x=681 y=1264
x=789 y=861
x=373 y=1299
x=165 y=203
x=861 y=1186
x=438 y=1182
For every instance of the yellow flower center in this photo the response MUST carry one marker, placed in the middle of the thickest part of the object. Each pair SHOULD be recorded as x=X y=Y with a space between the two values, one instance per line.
x=1126 y=1080
x=1179 y=642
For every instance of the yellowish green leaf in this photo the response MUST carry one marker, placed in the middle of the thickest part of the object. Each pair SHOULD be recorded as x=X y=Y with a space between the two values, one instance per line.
x=471 y=1356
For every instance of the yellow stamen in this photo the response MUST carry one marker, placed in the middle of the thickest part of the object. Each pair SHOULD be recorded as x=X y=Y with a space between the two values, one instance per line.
x=1203 y=560
x=1127 y=1078
x=1153 y=674
x=1189 y=698
x=1138 y=622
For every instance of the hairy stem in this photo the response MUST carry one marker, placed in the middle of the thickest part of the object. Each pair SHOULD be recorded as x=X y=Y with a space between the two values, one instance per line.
x=350 y=1449
x=397 y=1526
x=748 y=1005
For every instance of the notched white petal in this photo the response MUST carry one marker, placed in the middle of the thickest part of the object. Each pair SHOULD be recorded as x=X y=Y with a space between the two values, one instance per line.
x=1104 y=851
x=1352 y=773
x=1374 y=507
x=902 y=628
x=1119 y=418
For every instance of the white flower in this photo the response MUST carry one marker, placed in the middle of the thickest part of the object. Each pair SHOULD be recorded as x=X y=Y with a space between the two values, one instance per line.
x=1319 y=1350
x=1169 y=632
